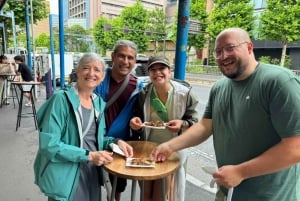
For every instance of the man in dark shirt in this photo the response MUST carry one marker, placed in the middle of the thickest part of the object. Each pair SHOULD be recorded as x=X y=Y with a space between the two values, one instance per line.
x=119 y=113
x=26 y=76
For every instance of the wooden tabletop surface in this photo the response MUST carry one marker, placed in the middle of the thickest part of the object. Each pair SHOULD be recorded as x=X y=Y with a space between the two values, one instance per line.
x=142 y=149
x=27 y=83
x=7 y=74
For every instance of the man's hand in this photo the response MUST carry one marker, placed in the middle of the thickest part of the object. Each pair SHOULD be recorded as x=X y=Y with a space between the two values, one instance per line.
x=175 y=125
x=161 y=152
x=228 y=176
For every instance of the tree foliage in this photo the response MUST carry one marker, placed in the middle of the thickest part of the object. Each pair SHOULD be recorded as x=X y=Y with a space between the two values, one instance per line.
x=226 y=14
x=284 y=26
x=135 y=18
x=43 y=40
x=100 y=34
x=198 y=13
x=130 y=25
x=40 y=10
x=76 y=39
x=157 y=28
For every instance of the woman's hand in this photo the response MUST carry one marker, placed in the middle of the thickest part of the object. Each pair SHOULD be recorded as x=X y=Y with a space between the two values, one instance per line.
x=100 y=157
x=174 y=125
x=126 y=148
x=136 y=123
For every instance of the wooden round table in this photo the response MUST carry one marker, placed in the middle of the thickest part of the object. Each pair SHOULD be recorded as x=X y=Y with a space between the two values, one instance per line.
x=141 y=149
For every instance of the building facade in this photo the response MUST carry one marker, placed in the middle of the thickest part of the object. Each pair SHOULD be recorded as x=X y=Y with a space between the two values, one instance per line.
x=90 y=10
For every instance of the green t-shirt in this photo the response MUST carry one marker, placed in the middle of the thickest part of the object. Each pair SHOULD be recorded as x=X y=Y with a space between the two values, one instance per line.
x=251 y=116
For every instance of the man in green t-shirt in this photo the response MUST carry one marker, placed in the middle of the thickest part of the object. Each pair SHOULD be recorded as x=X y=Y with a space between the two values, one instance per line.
x=253 y=115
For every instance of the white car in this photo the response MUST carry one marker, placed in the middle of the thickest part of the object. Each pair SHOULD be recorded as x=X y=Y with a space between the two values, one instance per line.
x=141 y=72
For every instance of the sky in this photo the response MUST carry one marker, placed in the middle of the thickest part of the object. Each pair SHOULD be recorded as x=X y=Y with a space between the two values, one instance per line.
x=54 y=7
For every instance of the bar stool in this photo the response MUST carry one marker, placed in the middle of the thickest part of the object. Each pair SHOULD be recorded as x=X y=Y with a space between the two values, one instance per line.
x=12 y=88
x=21 y=114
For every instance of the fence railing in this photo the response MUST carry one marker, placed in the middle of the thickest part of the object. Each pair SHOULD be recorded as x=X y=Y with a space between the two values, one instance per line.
x=203 y=69
x=212 y=70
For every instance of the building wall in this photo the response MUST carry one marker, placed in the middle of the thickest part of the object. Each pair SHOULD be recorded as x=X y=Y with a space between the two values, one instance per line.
x=42 y=26
x=92 y=9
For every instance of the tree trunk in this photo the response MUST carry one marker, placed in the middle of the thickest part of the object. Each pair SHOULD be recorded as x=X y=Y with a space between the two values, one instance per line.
x=283 y=53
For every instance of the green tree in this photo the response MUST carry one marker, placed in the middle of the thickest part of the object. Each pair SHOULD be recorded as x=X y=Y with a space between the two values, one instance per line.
x=99 y=33
x=198 y=13
x=43 y=40
x=76 y=39
x=234 y=13
x=281 y=22
x=157 y=28
x=134 y=19
x=40 y=10
x=106 y=32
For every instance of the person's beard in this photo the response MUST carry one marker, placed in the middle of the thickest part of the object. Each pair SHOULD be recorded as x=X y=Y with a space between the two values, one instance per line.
x=236 y=73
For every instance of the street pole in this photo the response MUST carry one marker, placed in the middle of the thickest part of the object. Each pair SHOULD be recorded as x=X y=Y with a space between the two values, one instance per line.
x=52 y=51
x=61 y=43
x=28 y=35
x=182 y=39
x=32 y=37
x=164 y=44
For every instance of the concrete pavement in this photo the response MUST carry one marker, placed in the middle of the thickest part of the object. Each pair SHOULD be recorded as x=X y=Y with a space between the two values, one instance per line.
x=17 y=152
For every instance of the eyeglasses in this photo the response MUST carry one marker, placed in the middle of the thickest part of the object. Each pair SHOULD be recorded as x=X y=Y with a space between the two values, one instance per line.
x=228 y=49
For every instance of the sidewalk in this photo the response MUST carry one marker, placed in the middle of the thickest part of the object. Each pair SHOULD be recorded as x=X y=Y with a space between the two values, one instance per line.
x=17 y=152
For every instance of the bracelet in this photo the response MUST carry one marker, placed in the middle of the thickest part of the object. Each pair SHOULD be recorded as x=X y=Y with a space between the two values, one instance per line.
x=190 y=122
x=87 y=152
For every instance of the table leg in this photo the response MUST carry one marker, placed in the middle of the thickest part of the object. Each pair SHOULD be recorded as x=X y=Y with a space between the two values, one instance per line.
x=19 y=111
x=113 y=191
x=133 y=190
x=33 y=107
x=163 y=189
x=2 y=93
x=142 y=188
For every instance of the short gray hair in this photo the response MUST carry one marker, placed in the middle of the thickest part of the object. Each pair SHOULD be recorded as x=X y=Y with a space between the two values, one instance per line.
x=90 y=57
x=126 y=43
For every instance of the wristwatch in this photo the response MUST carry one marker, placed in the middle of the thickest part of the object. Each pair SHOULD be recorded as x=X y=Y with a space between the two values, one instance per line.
x=185 y=124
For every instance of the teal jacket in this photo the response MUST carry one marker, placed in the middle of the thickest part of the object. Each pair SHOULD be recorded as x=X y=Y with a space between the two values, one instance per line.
x=56 y=166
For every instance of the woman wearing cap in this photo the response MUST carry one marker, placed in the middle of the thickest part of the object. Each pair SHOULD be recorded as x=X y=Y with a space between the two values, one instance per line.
x=173 y=103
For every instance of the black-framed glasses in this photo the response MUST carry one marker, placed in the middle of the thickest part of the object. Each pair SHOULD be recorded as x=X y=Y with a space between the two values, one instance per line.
x=228 y=49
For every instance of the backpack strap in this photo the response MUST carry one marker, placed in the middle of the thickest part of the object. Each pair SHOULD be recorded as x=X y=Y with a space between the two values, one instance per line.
x=118 y=93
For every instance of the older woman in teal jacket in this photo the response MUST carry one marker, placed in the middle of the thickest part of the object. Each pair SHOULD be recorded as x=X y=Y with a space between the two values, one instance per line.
x=71 y=138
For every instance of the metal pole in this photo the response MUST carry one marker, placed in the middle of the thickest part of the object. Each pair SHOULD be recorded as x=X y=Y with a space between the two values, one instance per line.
x=52 y=51
x=14 y=30
x=32 y=38
x=182 y=39
x=28 y=35
x=164 y=44
x=61 y=43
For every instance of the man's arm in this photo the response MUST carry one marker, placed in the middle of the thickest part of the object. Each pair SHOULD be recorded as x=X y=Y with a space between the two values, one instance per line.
x=195 y=135
x=283 y=155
